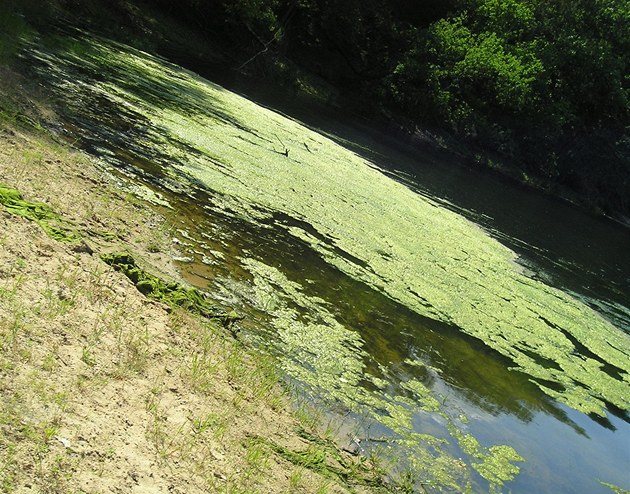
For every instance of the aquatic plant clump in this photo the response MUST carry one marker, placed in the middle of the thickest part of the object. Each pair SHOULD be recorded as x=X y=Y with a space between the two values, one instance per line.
x=173 y=294
x=42 y=214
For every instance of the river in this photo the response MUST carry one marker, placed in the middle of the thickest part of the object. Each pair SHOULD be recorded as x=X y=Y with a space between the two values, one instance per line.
x=474 y=334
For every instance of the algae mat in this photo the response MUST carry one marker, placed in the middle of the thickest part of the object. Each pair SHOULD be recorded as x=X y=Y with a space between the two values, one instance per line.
x=53 y=224
x=272 y=172
x=371 y=227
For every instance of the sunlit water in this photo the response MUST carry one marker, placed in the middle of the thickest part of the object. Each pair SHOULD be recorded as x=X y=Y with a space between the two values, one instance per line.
x=451 y=317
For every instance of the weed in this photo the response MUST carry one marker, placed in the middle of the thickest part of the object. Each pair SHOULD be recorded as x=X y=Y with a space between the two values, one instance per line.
x=160 y=234
x=33 y=156
x=69 y=278
x=235 y=364
x=214 y=423
x=201 y=425
x=58 y=302
x=133 y=350
x=10 y=292
x=87 y=357
x=97 y=291
x=201 y=373
x=295 y=480
x=308 y=416
x=256 y=456
x=265 y=378
x=406 y=481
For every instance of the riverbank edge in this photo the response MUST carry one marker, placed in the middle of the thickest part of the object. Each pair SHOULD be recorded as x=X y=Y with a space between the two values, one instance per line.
x=103 y=388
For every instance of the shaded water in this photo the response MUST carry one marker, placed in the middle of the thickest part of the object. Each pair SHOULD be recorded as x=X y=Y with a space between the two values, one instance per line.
x=450 y=315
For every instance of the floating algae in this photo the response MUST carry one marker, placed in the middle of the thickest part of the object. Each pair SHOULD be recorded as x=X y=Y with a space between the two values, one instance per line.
x=403 y=245
x=322 y=353
x=615 y=489
x=42 y=214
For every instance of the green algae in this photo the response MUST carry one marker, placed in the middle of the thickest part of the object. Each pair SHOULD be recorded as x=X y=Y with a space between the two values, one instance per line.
x=423 y=394
x=399 y=243
x=321 y=352
x=615 y=489
x=419 y=254
x=42 y=214
x=171 y=293
x=495 y=464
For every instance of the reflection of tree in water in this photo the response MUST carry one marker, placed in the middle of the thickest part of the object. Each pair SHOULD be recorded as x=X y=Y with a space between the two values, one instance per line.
x=394 y=334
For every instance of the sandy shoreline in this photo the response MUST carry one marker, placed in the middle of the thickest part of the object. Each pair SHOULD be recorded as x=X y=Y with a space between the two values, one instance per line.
x=104 y=390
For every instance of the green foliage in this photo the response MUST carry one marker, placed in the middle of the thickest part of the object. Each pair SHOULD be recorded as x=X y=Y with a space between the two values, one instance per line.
x=256 y=14
x=13 y=30
x=514 y=19
x=543 y=84
x=472 y=76
x=350 y=43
